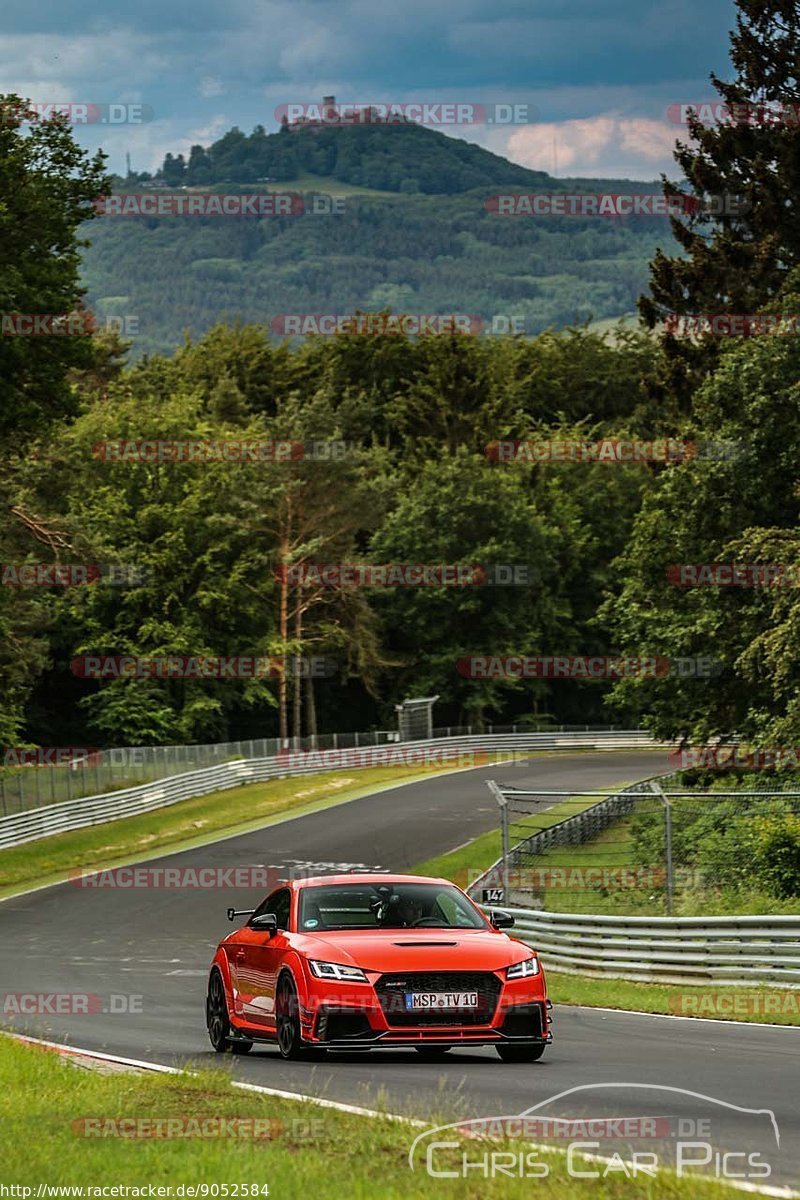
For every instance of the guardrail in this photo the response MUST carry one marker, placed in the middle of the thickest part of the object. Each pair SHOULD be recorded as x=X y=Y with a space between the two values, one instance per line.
x=728 y=950
x=92 y=810
x=25 y=783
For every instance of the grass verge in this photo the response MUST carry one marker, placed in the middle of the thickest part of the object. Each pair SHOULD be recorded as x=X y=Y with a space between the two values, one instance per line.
x=771 y=1006
x=190 y=823
x=45 y=1103
x=775 y=1006
x=466 y=862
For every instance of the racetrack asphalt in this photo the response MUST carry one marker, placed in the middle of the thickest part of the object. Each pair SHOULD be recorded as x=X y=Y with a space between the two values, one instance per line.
x=156 y=944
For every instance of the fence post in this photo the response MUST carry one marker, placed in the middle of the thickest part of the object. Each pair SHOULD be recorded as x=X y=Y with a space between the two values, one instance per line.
x=503 y=805
x=667 y=842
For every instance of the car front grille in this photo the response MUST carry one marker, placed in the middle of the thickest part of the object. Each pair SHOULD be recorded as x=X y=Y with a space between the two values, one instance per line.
x=391 y=990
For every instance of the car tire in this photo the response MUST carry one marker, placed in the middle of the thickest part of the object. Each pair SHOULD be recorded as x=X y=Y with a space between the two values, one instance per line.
x=287 y=1022
x=218 y=1022
x=432 y=1053
x=521 y=1054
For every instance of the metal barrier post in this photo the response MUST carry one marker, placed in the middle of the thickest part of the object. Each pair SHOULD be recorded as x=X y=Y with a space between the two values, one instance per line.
x=503 y=806
x=665 y=800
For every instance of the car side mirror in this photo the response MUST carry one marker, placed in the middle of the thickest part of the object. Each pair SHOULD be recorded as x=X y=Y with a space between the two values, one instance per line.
x=266 y=923
x=501 y=920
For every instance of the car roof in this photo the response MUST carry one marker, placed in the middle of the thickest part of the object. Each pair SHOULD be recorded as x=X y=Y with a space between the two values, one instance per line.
x=365 y=877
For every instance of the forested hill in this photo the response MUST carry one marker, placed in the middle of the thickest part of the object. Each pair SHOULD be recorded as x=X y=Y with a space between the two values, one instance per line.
x=413 y=232
x=391 y=158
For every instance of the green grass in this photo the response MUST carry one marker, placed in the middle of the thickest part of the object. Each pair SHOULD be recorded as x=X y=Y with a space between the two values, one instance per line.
x=464 y=863
x=190 y=823
x=707 y=1000
x=305 y=182
x=772 y=1006
x=313 y=1151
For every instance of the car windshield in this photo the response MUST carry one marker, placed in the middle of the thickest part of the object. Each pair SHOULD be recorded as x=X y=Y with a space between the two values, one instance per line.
x=386 y=906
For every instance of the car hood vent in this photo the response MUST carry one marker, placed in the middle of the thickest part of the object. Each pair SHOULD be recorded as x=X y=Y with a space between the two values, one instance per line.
x=438 y=943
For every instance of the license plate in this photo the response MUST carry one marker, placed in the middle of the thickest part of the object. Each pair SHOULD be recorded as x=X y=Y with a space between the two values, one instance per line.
x=417 y=1000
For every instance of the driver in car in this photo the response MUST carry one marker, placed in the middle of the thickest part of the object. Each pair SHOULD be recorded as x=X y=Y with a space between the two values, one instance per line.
x=402 y=912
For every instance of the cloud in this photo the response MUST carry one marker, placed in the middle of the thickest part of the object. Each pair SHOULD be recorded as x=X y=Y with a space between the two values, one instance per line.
x=607 y=145
x=79 y=64
x=211 y=86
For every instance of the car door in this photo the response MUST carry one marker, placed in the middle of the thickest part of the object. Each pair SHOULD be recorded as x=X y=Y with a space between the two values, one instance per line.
x=259 y=959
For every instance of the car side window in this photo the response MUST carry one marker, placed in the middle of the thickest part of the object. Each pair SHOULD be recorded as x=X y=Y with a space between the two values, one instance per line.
x=280 y=903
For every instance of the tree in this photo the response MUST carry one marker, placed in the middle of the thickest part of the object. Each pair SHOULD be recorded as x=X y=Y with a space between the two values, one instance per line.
x=461 y=509
x=47 y=186
x=173 y=171
x=200 y=585
x=744 y=509
x=736 y=261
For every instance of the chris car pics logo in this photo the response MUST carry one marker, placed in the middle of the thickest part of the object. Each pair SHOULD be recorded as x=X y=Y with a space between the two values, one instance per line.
x=609 y=1131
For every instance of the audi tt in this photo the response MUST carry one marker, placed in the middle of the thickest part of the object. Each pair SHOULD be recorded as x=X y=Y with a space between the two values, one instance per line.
x=346 y=962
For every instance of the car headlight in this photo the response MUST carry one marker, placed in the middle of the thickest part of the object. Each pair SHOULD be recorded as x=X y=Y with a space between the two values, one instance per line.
x=521 y=970
x=326 y=970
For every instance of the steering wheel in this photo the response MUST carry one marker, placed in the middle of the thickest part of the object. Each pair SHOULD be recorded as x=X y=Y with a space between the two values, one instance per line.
x=426 y=921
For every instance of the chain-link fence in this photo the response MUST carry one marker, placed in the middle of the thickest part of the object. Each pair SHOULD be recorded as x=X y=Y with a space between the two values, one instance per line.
x=93 y=772
x=643 y=848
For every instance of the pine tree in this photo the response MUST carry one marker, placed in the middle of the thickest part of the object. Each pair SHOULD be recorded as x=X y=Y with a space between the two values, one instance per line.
x=737 y=259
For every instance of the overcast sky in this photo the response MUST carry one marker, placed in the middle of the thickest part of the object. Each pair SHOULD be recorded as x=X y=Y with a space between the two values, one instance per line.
x=597 y=77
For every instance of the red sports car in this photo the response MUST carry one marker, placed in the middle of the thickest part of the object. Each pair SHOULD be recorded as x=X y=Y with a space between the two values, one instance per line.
x=345 y=962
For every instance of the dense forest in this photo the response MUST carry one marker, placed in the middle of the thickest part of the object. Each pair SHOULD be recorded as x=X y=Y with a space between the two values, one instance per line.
x=217 y=548
x=412 y=229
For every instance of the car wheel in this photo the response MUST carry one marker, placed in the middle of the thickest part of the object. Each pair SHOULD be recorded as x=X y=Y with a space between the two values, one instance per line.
x=217 y=1022
x=432 y=1052
x=287 y=1020
x=520 y=1054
